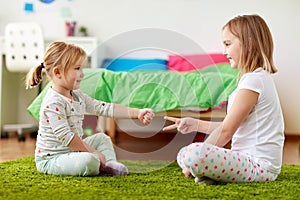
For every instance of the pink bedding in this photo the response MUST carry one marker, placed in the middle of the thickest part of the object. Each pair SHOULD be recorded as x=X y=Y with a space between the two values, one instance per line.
x=185 y=63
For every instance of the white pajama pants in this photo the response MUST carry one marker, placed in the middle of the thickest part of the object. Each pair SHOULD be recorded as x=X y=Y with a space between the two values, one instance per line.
x=78 y=163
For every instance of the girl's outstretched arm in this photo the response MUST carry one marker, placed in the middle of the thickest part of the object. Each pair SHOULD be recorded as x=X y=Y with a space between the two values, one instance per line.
x=188 y=125
x=145 y=115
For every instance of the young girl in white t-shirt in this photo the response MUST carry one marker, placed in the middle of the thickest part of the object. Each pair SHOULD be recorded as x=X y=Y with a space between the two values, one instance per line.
x=254 y=121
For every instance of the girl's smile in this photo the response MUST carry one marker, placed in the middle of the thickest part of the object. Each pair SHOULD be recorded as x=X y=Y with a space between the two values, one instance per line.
x=232 y=48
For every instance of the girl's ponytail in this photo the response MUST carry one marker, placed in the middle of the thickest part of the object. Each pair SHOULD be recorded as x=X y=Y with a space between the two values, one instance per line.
x=34 y=76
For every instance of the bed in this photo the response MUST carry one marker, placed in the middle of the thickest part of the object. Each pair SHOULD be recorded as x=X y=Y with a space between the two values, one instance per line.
x=199 y=93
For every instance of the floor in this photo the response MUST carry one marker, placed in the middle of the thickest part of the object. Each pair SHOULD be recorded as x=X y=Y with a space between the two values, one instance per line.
x=161 y=146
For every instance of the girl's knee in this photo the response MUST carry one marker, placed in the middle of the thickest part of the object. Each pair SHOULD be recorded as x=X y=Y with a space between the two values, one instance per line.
x=103 y=137
x=191 y=153
x=181 y=156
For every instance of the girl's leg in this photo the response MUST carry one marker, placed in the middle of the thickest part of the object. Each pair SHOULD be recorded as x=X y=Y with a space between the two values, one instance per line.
x=74 y=164
x=180 y=160
x=103 y=144
x=222 y=164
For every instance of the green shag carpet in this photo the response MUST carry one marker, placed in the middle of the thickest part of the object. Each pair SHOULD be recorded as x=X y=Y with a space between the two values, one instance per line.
x=147 y=180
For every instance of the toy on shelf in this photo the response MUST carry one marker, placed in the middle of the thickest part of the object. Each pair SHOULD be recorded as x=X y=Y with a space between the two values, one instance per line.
x=70 y=28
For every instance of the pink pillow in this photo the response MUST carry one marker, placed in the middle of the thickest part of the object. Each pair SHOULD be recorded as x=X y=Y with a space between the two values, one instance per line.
x=184 y=63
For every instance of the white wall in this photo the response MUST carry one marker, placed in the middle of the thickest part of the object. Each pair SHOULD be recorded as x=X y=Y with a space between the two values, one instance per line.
x=198 y=20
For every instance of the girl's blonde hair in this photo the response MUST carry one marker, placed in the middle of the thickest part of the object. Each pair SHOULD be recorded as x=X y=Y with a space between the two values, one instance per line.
x=58 y=54
x=256 y=43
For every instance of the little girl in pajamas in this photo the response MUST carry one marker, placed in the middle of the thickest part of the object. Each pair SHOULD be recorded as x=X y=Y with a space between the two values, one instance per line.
x=60 y=147
x=254 y=121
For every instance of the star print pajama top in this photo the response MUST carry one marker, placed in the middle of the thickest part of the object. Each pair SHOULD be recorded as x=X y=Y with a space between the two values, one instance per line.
x=60 y=119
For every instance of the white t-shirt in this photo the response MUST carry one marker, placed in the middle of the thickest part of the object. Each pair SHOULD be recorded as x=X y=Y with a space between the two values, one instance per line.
x=261 y=135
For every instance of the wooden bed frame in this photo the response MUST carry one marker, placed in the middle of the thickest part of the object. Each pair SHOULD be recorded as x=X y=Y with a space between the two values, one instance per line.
x=212 y=115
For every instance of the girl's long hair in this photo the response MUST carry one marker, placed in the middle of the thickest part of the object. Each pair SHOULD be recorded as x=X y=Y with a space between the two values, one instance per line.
x=256 y=43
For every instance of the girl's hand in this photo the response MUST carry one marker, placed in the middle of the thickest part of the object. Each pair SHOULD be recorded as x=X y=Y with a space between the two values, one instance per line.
x=101 y=158
x=145 y=115
x=183 y=125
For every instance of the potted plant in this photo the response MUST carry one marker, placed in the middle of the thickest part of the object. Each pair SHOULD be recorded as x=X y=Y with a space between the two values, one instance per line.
x=83 y=31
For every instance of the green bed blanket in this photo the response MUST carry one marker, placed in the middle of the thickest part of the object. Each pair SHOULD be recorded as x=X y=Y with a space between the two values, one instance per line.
x=160 y=90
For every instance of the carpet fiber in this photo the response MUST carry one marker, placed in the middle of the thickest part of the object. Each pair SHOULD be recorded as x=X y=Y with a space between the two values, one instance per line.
x=147 y=180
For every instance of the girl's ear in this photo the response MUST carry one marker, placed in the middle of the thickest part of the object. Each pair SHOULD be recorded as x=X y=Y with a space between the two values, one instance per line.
x=56 y=72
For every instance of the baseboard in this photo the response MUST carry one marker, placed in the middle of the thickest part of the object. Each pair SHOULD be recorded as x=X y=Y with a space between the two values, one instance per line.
x=292 y=134
x=292 y=137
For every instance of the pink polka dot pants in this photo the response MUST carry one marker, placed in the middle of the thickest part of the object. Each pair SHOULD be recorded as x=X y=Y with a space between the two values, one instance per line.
x=222 y=164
